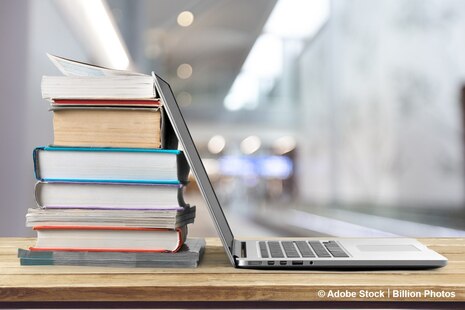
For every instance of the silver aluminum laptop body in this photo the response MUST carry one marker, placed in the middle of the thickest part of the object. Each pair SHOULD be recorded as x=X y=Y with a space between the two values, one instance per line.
x=298 y=253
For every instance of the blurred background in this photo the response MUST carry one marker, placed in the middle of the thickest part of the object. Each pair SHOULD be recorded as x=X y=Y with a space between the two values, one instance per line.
x=322 y=117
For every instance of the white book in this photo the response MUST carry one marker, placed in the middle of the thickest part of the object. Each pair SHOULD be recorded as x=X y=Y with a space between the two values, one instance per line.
x=91 y=87
x=162 y=218
x=86 y=81
x=116 y=165
x=116 y=239
x=76 y=195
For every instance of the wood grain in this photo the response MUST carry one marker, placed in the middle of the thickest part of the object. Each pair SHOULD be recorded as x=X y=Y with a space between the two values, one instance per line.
x=216 y=280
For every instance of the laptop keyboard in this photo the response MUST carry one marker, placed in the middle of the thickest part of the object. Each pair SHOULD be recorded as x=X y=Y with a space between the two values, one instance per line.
x=297 y=249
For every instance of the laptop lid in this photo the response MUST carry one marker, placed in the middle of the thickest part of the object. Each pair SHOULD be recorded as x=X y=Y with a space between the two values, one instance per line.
x=196 y=165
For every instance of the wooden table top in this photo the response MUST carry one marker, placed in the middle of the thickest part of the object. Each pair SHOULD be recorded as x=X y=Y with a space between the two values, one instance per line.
x=216 y=281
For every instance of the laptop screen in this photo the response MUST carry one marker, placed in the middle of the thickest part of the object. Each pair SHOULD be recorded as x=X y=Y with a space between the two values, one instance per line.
x=196 y=165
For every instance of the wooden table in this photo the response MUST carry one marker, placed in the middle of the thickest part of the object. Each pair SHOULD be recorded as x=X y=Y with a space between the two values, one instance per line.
x=216 y=284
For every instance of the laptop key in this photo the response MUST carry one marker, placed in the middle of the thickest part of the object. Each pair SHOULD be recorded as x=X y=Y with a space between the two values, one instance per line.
x=304 y=249
x=335 y=249
x=263 y=249
x=275 y=249
x=319 y=249
x=290 y=249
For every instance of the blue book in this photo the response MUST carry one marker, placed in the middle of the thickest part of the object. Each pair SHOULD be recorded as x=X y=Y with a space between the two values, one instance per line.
x=114 y=165
x=187 y=257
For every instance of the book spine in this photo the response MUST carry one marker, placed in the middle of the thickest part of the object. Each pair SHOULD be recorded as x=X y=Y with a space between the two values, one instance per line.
x=182 y=235
x=182 y=168
x=37 y=194
x=35 y=158
x=169 y=140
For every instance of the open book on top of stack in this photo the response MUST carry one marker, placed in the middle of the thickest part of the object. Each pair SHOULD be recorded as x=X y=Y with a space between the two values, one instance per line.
x=113 y=179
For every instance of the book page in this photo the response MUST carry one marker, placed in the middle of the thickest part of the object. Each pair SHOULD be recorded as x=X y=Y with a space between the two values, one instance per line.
x=75 y=68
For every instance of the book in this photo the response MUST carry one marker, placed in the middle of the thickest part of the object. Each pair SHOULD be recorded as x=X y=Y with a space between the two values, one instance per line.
x=113 y=94
x=109 y=196
x=110 y=188
x=169 y=219
x=112 y=127
x=75 y=69
x=108 y=239
x=188 y=256
x=98 y=87
x=115 y=165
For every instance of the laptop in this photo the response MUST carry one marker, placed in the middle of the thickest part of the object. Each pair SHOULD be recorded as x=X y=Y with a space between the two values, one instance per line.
x=295 y=253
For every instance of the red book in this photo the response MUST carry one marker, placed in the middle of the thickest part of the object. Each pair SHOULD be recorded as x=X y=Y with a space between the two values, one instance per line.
x=107 y=102
x=108 y=239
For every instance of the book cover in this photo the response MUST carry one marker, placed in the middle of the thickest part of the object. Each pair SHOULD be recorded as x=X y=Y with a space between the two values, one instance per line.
x=113 y=126
x=188 y=256
x=131 y=196
x=114 y=165
x=108 y=239
x=90 y=126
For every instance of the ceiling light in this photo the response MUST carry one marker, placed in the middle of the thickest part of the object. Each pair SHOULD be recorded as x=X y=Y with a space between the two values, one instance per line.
x=184 y=98
x=290 y=19
x=185 y=19
x=152 y=51
x=297 y=19
x=211 y=166
x=95 y=28
x=265 y=59
x=250 y=145
x=98 y=18
x=153 y=40
x=284 y=145
x=216 y=144
x=184 y=71
x=243 y=93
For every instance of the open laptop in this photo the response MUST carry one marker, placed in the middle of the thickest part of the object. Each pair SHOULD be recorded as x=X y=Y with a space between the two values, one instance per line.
x=298 y=253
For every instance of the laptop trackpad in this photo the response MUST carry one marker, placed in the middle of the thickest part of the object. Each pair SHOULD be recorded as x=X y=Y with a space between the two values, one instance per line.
x=387 y=248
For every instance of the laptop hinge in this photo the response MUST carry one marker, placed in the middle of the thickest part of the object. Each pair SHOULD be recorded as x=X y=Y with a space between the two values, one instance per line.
x=239 y=248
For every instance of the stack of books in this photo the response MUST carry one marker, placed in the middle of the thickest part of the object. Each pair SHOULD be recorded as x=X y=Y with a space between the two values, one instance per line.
x=111 y=186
